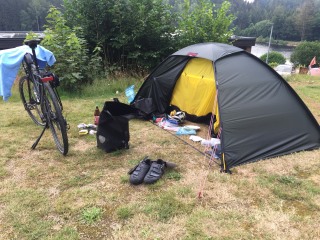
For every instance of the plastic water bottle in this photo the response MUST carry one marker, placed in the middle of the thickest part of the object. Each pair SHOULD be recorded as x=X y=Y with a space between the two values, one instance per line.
x=130 y=93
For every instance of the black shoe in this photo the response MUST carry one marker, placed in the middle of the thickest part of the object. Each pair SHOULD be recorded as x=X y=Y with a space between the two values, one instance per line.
x=138 y=173
x=155 y=172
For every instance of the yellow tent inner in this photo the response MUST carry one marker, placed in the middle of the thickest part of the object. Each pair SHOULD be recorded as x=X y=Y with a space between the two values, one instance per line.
x=195 y=90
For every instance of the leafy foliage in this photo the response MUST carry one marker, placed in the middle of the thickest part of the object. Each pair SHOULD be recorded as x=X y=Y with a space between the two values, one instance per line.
x=132 y=34
x=261 y=28
x=203 y=22
x=25 y=15
x=137 y=35
x=274 y=57
x=293 y=20
x=304 y=52
x=34 y=14
x=31 y=35
x=70 y=50
x=304 y=18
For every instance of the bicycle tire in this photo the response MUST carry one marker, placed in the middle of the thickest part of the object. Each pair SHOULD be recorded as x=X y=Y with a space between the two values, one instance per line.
x=56 y=121
x=30 y=101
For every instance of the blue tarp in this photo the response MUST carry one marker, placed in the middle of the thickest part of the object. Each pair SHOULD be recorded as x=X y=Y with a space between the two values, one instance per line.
x=10 y=62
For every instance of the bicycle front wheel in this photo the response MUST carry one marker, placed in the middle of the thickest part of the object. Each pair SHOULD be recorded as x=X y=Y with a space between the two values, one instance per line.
x=56 y=121
x=30 y=97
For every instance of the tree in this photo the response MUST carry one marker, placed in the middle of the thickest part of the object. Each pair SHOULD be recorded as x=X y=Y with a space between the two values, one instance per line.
x=9 y=14
x=203 y=22
x=304 y=18
x=138 y=34
x=143 y=34
x=133 y=34
x=304 y=52
x=242 y=12
x=260 y=29
x=27 y=15
x=33 y=17
x=70 y=50
x=293 y=19
x=92 y=16
x=315 y=28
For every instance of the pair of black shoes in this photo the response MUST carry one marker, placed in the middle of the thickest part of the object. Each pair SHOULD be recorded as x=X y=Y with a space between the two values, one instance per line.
x=148 y=171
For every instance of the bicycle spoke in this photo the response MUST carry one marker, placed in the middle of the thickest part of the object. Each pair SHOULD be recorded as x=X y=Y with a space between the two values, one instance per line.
x=31 y=101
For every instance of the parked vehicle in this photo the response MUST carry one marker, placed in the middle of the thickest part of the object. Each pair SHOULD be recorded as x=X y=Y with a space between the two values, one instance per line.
x=284 y=69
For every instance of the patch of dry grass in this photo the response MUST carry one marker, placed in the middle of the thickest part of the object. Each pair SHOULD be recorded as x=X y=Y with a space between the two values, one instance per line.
x=44 y=195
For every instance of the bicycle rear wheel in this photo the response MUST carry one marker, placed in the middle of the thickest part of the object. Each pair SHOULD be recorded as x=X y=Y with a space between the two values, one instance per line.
x=30 y=97
x=56 y=121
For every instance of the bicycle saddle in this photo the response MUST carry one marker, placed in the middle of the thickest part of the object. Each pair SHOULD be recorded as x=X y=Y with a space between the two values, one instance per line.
x=32 y=43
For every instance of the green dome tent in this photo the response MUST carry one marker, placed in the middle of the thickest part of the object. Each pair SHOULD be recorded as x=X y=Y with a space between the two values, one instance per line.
x=259 y=115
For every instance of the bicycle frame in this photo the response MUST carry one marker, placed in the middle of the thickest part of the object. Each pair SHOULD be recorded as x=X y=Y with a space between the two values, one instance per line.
x=33 y=76
x=43 y=97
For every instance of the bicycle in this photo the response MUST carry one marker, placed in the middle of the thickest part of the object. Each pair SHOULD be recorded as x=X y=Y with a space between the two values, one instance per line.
x=39 y=95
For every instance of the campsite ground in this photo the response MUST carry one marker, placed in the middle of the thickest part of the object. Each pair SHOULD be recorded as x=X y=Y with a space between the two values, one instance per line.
x=86 y=195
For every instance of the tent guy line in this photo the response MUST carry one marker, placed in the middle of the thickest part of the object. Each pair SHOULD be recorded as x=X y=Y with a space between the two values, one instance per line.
x=185 y=142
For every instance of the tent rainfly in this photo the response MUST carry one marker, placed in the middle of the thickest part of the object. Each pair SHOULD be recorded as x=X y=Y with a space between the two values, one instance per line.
x=257 y=112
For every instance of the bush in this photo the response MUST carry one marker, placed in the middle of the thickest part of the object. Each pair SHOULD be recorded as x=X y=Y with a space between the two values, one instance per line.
x=274 y=57
x=273 y=64
x=304 y=52
x=204 y=22
x=70 y=49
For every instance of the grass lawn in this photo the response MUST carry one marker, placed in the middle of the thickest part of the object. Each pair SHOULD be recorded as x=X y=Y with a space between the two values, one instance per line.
x=86 y=195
